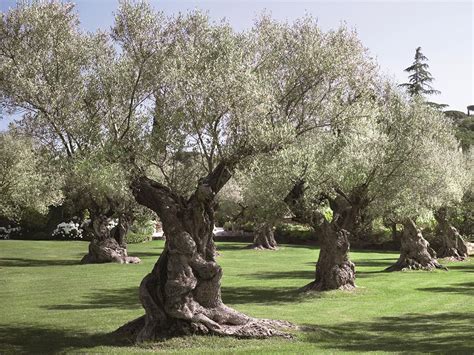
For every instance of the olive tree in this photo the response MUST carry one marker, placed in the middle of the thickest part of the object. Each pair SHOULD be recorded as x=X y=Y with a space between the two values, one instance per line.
x=77 y=94
x=227 y=97
x=260 y=203
x=26 y=183
x=397 y=159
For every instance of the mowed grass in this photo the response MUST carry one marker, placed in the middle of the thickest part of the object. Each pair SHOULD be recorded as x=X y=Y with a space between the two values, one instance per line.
x=51 y=304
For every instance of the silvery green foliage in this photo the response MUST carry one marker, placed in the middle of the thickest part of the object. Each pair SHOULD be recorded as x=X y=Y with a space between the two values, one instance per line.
x=43 y=61
x=403 y=153
x=97 y=184
x=316 y=83
x=25 y=182
x=82 y=96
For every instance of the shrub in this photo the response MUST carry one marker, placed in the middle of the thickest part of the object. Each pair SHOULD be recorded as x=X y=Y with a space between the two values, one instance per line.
x=67 y=230
x=291 y=230
x=143 y=227
x=135 y=238
x=9 y=232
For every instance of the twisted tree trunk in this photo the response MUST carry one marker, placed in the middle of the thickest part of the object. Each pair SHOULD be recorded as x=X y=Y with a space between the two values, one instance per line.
x=108 y=246
x=182 y=294
x=334 y=270
x=452 y=244
x=415 y=252
x=120 y=230
x=264 y=239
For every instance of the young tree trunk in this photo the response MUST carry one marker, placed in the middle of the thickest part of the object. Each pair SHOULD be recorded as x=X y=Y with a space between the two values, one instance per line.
x=264 y=239
x=415 y=252
x=182 y=294
x=452 y=244
x=334 y=270
x=108 y=246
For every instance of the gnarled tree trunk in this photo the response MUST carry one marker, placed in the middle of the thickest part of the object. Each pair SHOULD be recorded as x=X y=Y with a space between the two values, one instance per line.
x=182 y=294
x=415 y=252
x=452 y=244
x=108 y=246
x=334 y=270
x=264 y=239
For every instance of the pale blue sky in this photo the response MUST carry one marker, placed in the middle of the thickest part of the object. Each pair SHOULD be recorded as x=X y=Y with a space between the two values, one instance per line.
x=390 y=29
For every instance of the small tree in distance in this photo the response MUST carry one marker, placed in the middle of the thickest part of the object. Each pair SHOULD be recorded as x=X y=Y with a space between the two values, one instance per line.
x=420 y=79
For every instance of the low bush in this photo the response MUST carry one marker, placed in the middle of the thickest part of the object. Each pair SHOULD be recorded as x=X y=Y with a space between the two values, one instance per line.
x=9 y=232
x=67 y=231
x=145 y=227
x=135 y=238
x=292 y=230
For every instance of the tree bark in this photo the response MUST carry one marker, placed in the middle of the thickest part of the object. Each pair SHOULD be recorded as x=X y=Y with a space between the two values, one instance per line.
x=108 y=246
x=182 y=294
x=334 y=270
x=415 y=252
x=264 y=239
x=452 y=243
x=120 y=230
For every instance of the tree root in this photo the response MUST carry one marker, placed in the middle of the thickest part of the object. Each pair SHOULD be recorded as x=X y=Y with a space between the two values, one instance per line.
x=251 y=328
x=261 y=247
x=411 y=264
x=318 y=286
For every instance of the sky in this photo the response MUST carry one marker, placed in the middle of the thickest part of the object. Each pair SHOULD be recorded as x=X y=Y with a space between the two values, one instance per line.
x=391 y=30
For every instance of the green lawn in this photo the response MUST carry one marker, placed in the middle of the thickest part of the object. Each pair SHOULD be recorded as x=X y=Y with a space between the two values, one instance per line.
x=51 y=304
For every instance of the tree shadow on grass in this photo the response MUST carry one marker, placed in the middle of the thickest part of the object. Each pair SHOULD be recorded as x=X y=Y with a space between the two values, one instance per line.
x=367 y=274
x=256 y=295
x=37 y=339
x=310 y=274
x=231 y=247
x=374 y=251
x=125 y=298
x=142 y=254
x=465 y=288
x=464 y=268
x=276 y=275
x=374 y=263
x=443 y=332
x=22 y=262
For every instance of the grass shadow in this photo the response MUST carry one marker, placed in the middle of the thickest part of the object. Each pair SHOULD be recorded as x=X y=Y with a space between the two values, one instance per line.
x=125 y=298
x=464 y=268
x=366 y=274
x=142 y=254
x=36 y=339
x=22 y=262
x=465 y=288
x=228 y=246
x=443 y=332
x=275 y=275
x=255 y=295
x=373 y=263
